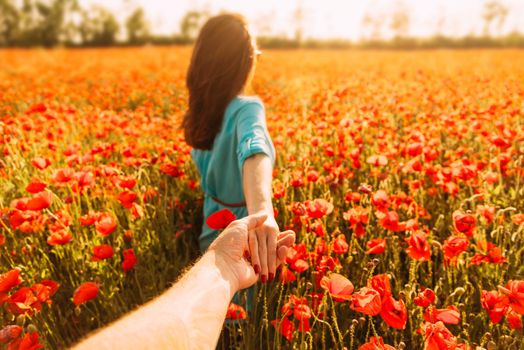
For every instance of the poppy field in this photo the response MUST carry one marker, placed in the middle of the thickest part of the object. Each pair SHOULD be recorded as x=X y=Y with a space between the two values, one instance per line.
x=402 y=174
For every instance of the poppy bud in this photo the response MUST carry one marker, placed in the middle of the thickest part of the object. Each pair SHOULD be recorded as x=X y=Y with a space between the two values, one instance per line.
x=32 y=328
x=20 y=320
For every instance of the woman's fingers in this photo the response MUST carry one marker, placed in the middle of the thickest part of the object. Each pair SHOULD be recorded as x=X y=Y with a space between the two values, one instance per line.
x=262 y=253
x=253 y=248
x=272 y=253
x=285 y=241
x=282 y=254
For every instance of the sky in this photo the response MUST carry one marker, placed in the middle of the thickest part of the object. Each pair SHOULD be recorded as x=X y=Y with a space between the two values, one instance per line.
x=329 y=18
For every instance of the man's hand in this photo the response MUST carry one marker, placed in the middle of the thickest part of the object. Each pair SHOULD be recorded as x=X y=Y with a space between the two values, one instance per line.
x=232 y=244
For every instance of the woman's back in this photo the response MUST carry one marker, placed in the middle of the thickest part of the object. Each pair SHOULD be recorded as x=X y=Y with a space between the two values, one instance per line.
x=243 y=134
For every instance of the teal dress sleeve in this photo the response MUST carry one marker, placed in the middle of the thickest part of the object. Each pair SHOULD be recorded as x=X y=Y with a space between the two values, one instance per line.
x=252 y=134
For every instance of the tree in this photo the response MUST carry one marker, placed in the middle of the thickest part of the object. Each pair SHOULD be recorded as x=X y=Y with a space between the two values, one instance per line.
x=494 y=11
x=190 y=24
x=137 y=27
x=400 y=22
x=98 y=27
x=9 y=23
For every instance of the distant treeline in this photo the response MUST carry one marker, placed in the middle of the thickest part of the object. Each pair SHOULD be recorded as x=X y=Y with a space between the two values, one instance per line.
x=513 y=40
x=50 y=23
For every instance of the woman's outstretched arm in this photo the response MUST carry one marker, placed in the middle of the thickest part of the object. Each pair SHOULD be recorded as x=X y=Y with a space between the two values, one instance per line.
x=257 y=178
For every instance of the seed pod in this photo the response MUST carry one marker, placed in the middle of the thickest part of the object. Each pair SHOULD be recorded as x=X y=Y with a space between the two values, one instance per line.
x=20 y=320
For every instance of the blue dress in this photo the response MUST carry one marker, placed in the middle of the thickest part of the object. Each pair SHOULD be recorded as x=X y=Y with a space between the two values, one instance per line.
x=243 y=134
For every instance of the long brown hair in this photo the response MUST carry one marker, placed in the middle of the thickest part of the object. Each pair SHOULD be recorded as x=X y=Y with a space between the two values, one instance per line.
x=222 y=60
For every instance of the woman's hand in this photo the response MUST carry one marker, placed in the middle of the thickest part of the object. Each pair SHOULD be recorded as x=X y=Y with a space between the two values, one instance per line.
x=231 y=246
x=263 y=247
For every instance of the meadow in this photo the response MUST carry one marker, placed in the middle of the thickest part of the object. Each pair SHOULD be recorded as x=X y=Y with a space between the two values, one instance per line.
x=402 y=174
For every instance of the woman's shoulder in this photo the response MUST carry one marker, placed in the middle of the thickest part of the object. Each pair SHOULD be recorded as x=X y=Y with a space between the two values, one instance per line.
x=242 y=104
x=242 y=101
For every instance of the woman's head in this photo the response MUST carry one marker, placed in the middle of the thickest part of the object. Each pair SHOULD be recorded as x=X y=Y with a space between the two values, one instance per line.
x=222 y=61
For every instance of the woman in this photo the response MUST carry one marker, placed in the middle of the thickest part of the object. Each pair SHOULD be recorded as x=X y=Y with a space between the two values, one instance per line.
x=227 y=130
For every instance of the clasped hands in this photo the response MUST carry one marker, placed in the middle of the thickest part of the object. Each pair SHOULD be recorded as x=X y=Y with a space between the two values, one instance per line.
x=251 y=246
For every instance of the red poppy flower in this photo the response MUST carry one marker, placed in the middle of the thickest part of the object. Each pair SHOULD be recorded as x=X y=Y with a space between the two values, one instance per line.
x=129 y=259
x=286 y=275
x=514 y=290
x=10 y=333
x=40 y=163
x=9 y=280
x=127 y=198
x=518 y=219
x=59 y=237
x=284 y=327
x=394 y=312
x=376 y=343
x=40 y=201
x=376 y=246
x=171 y=170
x=125 y=181
x=495 y=303
x=464 y=222
x=367 y=301
x=449 y=315
x=418 y=246
x=85 y=292
x=105 y=224
x=101 y=252
x=381 y=284
x=389 y=220
x=30 y=341
x=63 y=176
x=137 y=211
x=514 y=320
x=377 y=160
x=454 y=246
x=487 y=212
x=340 y=245
x=490 y=254
x=89 y=219
x=221 y=219
x=236 y=312
x=338 y=286
x=438 y=337
x=35 y=186
x=380 y=200
x=302 y=312
x=318 y=208
x=36 y=108
x=425 y=298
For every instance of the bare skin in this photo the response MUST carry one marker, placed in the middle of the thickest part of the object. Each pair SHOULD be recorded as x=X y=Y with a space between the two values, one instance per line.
x=190 y=314
x=257 y=177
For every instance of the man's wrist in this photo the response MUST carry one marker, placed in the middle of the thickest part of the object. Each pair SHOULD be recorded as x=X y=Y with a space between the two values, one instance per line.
x=223 y=265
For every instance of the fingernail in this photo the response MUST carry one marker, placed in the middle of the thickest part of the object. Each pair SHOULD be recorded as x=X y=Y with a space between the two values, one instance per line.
x=263 y=278
x=246 y=254
x=257 y=269
x=271 y=277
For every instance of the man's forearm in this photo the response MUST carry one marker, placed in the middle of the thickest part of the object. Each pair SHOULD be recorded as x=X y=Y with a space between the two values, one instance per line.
x=257 y=178
x=188 y=316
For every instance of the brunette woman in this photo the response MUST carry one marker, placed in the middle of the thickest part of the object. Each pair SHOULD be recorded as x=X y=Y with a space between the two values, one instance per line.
x=232 y=148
